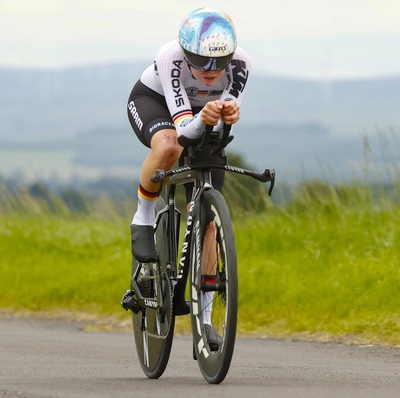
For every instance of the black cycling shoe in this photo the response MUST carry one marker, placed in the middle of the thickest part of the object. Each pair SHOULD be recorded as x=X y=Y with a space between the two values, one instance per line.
x=213 y=338
x=143 y=246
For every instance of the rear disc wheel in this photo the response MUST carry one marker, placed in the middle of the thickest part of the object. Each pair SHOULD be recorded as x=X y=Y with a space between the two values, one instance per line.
x=153 y=328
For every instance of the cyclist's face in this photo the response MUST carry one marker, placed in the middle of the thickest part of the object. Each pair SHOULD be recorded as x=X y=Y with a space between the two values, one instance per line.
x=209 y=78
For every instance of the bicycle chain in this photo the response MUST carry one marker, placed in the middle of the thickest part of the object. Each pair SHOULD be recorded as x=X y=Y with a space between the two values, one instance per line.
x=171 y=313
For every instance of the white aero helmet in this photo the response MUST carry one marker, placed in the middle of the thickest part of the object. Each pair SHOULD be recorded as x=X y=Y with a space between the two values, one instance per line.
x=208 y=39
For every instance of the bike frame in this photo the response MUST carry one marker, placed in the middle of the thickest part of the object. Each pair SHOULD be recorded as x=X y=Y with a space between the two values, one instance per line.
x=200 y=174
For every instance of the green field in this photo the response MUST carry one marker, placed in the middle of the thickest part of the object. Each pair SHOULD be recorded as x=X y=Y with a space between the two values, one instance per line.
x=324 y=265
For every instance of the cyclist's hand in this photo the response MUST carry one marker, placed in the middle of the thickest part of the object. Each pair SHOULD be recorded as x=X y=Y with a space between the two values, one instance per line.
x=230 y=112
x=212 y=112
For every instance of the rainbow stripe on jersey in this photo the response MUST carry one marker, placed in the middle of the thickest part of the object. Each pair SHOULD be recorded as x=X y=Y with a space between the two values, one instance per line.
x=177 y=119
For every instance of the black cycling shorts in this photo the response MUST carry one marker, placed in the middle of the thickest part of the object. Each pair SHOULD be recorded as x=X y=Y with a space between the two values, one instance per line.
x=148 y=113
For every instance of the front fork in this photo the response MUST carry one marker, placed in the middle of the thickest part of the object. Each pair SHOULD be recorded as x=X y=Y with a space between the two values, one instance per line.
x=181 y=306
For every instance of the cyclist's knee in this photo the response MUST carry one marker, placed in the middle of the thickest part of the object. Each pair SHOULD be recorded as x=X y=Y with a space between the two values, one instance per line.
x=164 y=145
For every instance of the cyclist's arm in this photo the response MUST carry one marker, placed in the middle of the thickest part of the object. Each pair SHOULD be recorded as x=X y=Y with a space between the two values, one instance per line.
x=231 y=98
x=238 y=73
x=170 y=67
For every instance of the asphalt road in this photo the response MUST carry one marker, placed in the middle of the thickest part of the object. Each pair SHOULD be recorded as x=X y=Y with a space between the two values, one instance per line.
x=44 y=358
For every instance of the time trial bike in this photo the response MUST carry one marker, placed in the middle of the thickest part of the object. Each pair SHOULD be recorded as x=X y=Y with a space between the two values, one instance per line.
x=207 y=261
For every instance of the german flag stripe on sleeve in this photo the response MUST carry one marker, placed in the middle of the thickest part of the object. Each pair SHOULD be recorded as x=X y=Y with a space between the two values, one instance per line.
x=182 y=115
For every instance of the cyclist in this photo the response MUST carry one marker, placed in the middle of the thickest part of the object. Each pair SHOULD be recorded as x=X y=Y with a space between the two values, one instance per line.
x=197 y=80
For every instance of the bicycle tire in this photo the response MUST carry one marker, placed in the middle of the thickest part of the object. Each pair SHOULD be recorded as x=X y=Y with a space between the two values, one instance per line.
x=153 y=353
x=214 y=364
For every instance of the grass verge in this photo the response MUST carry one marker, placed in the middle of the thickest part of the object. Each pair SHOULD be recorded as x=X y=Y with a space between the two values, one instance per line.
x=326 y=267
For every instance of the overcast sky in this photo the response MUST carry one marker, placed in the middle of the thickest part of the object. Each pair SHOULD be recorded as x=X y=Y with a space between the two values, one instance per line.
x=304 y=38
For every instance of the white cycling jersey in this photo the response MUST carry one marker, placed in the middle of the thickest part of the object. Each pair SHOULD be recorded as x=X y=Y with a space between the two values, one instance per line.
x=170 y=76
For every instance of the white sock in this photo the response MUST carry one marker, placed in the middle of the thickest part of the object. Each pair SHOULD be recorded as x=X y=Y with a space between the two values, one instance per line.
x=206 y=303
x=146 y=207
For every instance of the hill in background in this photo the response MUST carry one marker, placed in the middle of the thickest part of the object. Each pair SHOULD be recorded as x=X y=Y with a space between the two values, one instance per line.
x=72 y=123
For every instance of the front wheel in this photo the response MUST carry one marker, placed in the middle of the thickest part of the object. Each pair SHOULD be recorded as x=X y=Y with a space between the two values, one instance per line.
x=214 y=287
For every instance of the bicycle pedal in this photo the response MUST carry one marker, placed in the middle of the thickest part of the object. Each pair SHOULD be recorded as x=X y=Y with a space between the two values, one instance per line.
x=129 y=303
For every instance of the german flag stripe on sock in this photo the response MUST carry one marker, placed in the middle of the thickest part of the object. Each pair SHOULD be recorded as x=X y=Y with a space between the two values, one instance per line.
x=146 y=195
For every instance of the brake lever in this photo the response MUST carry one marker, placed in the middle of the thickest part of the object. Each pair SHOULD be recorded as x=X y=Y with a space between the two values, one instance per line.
x=158 y=178
x=270 y=173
